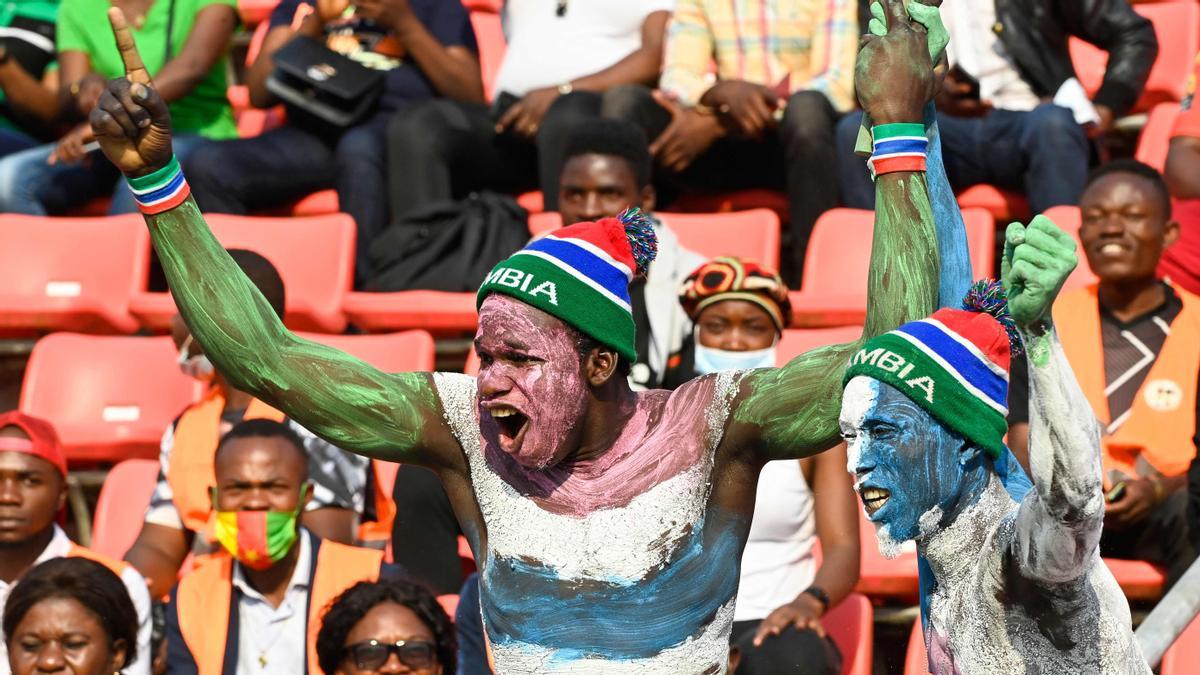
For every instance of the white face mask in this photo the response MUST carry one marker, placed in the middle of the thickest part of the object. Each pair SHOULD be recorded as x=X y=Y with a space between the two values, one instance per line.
x=710 y=360
x=198 y=366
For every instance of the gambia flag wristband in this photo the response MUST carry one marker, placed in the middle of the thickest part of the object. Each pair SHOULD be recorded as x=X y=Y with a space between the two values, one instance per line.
x=897 y=147
x=161 y=190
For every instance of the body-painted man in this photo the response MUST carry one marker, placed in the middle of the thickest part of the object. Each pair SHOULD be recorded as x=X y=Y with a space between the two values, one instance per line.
x=607 y=524
x=1013 y=581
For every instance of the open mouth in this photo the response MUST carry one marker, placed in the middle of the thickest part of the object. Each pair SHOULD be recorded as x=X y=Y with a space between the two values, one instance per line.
x=874 y=498
x=1113 y=249
x=511 y=424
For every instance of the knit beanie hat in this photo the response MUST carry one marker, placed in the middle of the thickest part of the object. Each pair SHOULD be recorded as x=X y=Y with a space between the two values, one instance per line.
x=730 y=278
x=580 y=274
x=953 y=364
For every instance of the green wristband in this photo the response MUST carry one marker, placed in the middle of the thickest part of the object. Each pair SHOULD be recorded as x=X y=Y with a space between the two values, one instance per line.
x=885 y=131
x=155 y=178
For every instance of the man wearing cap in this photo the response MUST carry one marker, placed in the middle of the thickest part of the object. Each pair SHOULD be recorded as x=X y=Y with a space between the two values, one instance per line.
x=606 y=524
x=1011 y=577
x=33 y=490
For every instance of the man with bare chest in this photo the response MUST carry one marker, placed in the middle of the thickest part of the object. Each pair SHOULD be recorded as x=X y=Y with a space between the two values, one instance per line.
x=607 y=524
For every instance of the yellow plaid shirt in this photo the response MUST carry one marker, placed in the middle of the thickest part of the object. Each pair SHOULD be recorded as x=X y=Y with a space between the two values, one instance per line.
x=790 y=44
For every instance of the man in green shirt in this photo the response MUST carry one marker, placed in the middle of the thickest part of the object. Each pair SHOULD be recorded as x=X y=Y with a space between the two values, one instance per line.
x=29 y=100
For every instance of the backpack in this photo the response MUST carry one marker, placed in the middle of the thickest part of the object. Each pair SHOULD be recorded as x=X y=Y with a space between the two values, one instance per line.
x=447 y=246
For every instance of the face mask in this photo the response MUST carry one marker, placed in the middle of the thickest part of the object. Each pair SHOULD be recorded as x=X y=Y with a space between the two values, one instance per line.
x=710 y=360
x=198 y=366
x=258 y=539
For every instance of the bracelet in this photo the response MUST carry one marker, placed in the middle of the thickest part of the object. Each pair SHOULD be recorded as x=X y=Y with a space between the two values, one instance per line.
x=818 y=593
x=161 y=190
x=897 y=147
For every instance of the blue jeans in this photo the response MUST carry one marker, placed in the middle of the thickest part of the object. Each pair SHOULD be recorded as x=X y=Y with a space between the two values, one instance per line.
x=1042 y=153
x=30 y=186
x=13 y=141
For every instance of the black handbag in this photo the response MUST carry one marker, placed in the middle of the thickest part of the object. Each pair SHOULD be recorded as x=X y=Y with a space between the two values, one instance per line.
x=324 y=83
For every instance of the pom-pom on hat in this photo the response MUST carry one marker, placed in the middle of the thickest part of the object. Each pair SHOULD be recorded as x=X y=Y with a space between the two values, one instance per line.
x=730 y=278
x=580 y=274
x=954 y=364
x=42 y=442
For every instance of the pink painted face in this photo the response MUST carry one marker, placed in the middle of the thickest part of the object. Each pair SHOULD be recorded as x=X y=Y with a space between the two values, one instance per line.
x=530 y=390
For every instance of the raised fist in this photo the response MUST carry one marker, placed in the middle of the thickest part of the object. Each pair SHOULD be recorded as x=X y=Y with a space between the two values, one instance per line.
x=894 y=73
x=131 y=121
x=1038 y=258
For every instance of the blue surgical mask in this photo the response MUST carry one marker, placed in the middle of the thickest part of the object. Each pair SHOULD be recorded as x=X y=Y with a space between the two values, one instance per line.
x=710 y=360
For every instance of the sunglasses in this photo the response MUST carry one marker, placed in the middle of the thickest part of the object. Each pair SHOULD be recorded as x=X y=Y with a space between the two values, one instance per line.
x=372 y=654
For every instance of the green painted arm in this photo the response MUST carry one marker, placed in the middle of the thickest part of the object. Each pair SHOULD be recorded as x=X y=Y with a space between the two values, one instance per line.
x=349 y=403
x=792 y=411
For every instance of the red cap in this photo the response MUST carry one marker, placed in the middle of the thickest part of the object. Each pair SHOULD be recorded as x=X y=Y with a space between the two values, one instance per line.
x=43 y=439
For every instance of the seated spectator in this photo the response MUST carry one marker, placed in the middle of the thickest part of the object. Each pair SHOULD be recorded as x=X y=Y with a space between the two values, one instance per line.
x=395 y=625
x=33 y=491
x=189 y=67
x=30 y=100
x=428 y=49
x=254 y=607
x=1011 y=111
x=784 y=70
x=559 y=59
x=72 y=615
x=181 y=507
x=1181 y=262
x=740 y=310
x=1134 y=344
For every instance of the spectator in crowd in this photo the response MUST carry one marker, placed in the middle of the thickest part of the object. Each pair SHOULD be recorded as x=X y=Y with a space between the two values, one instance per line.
x=740 y=309
x=181 y=507
x=428 y=49
x=254 y=606
x=72 y=615
x=30 y=100
x=1011 y=111
x=1134 y=344
x=185 y=44
x=560 y=57
x=386 y=624
x=784 y=69
x=33 y=490
x=1181 y=262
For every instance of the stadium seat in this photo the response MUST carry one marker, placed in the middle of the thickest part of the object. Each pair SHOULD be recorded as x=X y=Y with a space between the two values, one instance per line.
x=1177 y=25
x=532 y=201
x=410 y=351
x=796 y=341
x=255 y=12
x=851 y=624
x=489 y=35
x=1004 y=205
x=109 y=397
x=1138 y=579
x=449 y=602
x=72 y=274
x=834 y=291
x=253 y=121
x=737 y=200
x=881 y=578
x=1067 y=218
x=315 y=257
x=122 y=506
x=916 y=659
x=1183 y=657
x=436 y=311
x=1156 y=135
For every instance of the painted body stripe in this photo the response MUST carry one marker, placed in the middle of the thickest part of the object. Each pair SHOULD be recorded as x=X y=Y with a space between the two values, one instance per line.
x=596 y=251
x=586 y=263
x=950 y=368
x=621 y=302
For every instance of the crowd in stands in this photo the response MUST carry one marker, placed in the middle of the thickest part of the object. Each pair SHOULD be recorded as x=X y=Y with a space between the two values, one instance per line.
x=263 y=547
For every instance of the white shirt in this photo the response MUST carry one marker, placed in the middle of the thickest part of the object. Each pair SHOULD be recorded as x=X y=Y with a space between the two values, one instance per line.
x=274 y=639
x=975 y=47
x=59 y=547
x=778 y=563
x=546 y=50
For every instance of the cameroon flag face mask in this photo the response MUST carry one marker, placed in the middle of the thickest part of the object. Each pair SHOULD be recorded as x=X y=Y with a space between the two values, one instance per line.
x=258 y=539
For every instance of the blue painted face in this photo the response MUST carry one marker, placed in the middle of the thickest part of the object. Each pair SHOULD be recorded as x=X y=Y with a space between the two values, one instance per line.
x=905 y=462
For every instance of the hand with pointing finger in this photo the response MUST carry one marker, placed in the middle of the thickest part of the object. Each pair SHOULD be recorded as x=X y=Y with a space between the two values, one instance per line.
x=131 y=121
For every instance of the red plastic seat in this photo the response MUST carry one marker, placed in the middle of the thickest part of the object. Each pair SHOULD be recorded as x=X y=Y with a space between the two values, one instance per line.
x=436 y=311
x=109 y=397
x=1183 y=657
x=879 y=577
x=851 y=624
x=1138 y=579
x=916 y=659
x=449 y=602
x=489 y=37
x=1068 y=219
x=315 y=257
x=1004 y=205
x=253 y=121
x=838 y=259
x=254 y=12
x=1177 y=25
x=122 y=506
x=72 y=274
x=1156 y=135
x=533 y=201
x=796 y=341
x=737 y=200
x=407 y=352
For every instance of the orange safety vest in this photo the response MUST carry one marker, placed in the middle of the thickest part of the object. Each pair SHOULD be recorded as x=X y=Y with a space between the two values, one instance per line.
x=203 y=599
x=1162 y=422
x=118 y=567
x=191 y=474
